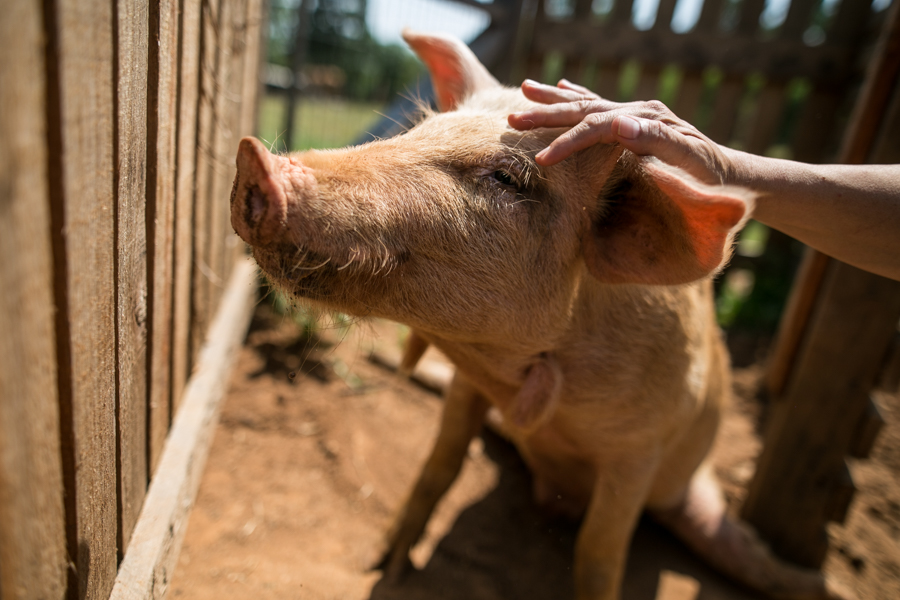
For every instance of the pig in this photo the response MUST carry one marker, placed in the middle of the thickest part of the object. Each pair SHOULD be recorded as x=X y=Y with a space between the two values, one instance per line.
x=574 y=299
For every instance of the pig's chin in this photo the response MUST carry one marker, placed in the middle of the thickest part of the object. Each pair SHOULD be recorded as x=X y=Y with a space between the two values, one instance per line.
x=299 y=271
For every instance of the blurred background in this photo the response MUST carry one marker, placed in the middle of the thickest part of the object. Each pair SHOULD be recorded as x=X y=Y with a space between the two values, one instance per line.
x=774 y=77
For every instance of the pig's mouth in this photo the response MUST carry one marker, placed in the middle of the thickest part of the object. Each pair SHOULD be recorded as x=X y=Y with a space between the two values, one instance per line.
x=316 y=275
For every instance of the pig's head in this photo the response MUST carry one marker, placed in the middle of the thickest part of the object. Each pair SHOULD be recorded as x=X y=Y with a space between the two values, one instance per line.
x=454 y=229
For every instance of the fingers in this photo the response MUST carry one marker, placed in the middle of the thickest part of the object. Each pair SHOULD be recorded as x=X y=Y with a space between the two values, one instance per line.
x=568 y=85
x=548 y=94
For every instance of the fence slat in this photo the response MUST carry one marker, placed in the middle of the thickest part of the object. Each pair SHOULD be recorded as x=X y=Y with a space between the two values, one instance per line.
x=32 y=517
x=81 y=116
x=131 y=259
x=219 y=149
x=186 y=155
x=769 y=108
x=204 y=165
x=160 y=201
x=725 y=109
x=147 y=569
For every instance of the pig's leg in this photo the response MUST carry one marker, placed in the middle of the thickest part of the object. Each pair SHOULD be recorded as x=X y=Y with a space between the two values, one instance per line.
x=616 y=503
x=415 y=347
x=733 y=547
x=464 y=411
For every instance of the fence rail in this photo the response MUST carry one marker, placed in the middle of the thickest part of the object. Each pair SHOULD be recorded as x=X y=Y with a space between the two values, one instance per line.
x=118 y=127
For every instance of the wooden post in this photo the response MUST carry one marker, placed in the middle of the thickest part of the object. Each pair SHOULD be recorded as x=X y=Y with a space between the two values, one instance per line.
x=827 y=360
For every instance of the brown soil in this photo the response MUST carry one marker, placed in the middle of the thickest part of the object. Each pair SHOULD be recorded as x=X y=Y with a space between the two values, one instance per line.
x=317 y=446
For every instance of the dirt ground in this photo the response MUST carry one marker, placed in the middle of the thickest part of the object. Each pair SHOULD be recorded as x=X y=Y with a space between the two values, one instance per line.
x=317 y=447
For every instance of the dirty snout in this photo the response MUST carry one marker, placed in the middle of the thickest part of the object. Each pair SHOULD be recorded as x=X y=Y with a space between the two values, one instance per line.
x=259 y=204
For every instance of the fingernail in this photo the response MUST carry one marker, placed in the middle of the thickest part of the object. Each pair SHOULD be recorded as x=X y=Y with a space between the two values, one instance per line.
x=628 y=128
x=529 y=82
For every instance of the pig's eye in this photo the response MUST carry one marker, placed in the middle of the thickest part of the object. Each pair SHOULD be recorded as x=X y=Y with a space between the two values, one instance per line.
x=505 y=178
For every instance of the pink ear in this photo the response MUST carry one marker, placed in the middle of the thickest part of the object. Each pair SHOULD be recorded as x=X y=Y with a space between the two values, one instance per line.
x=665 y=229
x=455 y=70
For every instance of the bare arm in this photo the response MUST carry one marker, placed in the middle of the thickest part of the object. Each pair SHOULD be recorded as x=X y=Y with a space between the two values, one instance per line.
x=851 y=212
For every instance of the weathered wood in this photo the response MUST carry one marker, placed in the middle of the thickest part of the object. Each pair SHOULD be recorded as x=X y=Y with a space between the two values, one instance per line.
x=793 y=323
x=767 y=118
x=815 y=130
x=151 y=556
x=607 y=80
x=866 y=431
x=32 y=518
x=889 y=380
x=204 y=172
x=880 y=87
x=748 y=17
x=132 y=20
x=221 y=147
x=80 y=127
x=160 y=207
x=725 y=109
x=186 y=155
x=780 y=58
x=664 y=13
x=798 y=18
x=689 y=94
x=648 y=83
x=795 y=489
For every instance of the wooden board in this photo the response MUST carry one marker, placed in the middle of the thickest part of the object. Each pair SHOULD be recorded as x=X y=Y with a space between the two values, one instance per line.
x=145 y=572
x=80 y=126
x=186 y=154
x=131 y=261
x=32 y=517
x=812 y=427
x=201 y=274
x=160 y=222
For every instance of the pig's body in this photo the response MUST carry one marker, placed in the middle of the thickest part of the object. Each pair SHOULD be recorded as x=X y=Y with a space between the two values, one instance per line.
x=574 y=299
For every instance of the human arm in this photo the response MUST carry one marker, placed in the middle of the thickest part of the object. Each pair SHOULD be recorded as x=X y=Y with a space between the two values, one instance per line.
x=851 y=212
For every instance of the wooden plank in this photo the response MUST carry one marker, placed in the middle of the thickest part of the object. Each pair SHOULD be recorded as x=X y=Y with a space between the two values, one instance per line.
x=648 y=83
x=815 y=129
x=160 y=222
x=710 y=14
x=789 y=501
x=781 y=58
x=607 y=80
x=748 y=17
x=220 y=148
x=793 y=322
x=186 y=155
x=80 y=130
x=153 y=552
x=875 y=97
x=664 y=13
x=251 y=87
x=205 y=123
x=690 y=92
x=889 y=380
x=867 y=430
x=765 y=122
x=32 y=516
x=798 y=19
x=131 y=261
x=725 y=109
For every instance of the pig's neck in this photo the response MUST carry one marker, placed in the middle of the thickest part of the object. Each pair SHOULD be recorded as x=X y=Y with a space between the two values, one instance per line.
x=610 y=331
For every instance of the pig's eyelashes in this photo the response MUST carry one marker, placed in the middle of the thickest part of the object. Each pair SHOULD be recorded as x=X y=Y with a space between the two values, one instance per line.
x=505 y=178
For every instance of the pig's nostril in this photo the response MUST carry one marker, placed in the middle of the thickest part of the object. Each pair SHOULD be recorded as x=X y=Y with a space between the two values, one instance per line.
x=254 y=206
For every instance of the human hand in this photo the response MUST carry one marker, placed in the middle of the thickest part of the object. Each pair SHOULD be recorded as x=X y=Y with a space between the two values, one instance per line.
x=645 y=128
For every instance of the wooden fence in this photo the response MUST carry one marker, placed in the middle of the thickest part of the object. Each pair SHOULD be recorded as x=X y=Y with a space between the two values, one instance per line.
x=118 y=123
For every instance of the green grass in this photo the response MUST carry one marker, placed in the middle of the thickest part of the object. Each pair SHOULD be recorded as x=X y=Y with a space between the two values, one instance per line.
x=318 y=122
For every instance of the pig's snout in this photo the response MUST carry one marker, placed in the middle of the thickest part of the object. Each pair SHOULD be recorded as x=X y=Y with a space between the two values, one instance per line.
x=258 y=201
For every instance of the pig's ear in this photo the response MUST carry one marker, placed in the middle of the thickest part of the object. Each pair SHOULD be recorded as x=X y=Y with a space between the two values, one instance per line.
x=455 y=70
x=662 y=227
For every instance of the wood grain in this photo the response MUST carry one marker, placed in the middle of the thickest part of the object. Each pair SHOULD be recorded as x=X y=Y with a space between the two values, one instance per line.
x=160 y=222
x=80 y=124
x=32 y=516
x=145 y=572
x=131 y=261
x=185 y=179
